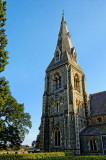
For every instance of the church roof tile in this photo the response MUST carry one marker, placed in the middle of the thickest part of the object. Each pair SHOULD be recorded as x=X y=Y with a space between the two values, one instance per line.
x=98 y=104
x=98 y=129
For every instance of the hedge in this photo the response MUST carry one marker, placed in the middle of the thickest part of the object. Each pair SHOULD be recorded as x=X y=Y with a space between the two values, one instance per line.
x=49 y=156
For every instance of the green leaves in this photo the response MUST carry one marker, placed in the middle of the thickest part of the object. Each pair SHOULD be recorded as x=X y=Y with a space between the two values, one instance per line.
x=13 y=120
x=4 y=91
x=14 y=123
x=3 y=40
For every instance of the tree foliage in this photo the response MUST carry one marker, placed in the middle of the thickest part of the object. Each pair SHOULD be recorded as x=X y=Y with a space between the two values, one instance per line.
x=4 y=91
x=33 y=144
x=3 y=40
x=14 y=123
x=36 y=142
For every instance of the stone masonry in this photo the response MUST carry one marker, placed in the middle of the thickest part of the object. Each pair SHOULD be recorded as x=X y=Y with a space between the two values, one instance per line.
x=66 y=113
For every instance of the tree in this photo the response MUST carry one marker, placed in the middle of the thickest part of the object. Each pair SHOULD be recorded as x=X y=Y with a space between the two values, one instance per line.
x=14 y=123
x=4 y=88
x=9 y=137
x=3 y=40
x=35 y=143
x=4 y=91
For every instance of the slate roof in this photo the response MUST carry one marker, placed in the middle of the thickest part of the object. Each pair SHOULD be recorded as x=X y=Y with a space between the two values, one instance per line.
x=66 y=60
x=65 y=47
x=98 y=129
x=98 y=104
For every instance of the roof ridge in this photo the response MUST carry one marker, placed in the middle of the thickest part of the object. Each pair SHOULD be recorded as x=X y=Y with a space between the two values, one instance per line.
x=97 y=93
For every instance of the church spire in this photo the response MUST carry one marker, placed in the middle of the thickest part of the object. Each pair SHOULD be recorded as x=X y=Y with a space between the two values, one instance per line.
x=64 y=43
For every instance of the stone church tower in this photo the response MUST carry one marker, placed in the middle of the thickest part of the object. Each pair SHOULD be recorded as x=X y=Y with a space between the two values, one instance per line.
x=65 y=99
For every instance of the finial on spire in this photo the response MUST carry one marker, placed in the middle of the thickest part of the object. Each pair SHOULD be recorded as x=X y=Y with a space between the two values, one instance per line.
x=62 y=13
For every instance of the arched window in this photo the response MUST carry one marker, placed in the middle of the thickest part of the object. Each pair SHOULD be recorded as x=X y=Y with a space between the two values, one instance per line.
x=56 y=136
x=57 y=79
x=76 y=82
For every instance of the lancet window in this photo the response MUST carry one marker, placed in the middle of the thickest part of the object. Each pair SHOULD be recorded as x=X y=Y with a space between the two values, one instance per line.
x=76 y=82
x=57 y=136
x=57 y=107
x=57 y=79
x=93 y=145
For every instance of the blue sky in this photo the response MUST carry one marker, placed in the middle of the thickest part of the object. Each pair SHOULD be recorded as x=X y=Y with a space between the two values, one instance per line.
x=32 y=32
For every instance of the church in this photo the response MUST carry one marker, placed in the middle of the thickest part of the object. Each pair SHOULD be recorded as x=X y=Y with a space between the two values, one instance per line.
x=71 y=120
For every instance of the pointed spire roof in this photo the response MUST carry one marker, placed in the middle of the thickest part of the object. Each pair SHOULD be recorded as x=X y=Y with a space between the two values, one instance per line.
x=65 y=52
x=64 y=43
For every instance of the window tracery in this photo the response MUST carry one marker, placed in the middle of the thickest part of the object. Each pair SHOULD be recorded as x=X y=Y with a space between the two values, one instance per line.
x=93 y=145
x=54 y=107
x=57 y=79
x=99 y=120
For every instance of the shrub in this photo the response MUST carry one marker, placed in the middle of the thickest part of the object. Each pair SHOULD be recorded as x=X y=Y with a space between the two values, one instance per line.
x=49 y=156
x=69 y=153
